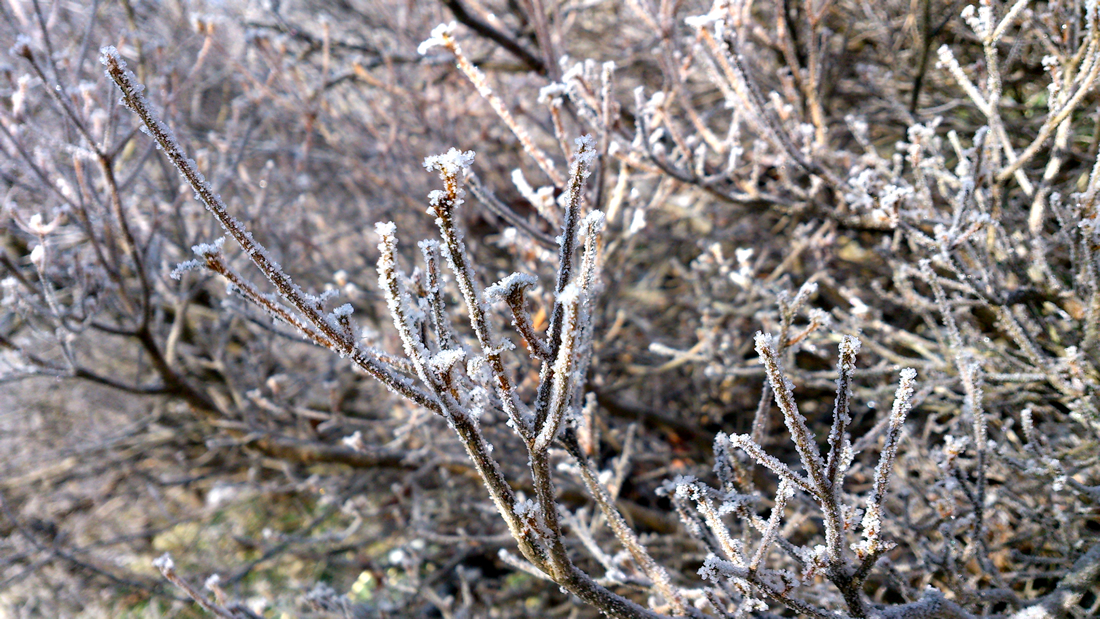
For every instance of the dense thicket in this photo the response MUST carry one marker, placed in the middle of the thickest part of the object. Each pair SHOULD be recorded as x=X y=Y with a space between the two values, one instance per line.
x=748 y=308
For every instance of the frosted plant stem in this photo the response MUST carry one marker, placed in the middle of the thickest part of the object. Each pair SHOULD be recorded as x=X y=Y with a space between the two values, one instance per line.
x=500 y=491
x=216 y=263
x=872 y=519
x=442 y=36
x=1054 y=120
x=443 y=205
x=840 y=444
x=512 y=290
x=622 y=530
x=771 y=530
x=756 y=452
x=582 y=162
x=733 y=66
x=399 y=303
x=132 y=97
x=168 y=569
x=796 y=423
x=563 y=370
x=441 y=325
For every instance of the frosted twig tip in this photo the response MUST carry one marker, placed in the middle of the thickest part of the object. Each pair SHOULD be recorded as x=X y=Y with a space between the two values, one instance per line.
x=450 y=163
x=440 y=37
x=164 y=563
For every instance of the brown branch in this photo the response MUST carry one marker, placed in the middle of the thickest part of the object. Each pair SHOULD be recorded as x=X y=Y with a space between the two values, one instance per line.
x=483 y=28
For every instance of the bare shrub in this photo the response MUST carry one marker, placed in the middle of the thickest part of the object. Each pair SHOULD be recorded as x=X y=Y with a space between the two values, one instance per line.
x=906 y=187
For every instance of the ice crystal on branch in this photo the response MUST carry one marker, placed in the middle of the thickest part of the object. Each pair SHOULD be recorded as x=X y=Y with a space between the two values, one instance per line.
x=440 y=37
x=452 y=163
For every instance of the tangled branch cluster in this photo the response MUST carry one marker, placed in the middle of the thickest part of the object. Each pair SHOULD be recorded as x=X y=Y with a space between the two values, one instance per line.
x=939 y=217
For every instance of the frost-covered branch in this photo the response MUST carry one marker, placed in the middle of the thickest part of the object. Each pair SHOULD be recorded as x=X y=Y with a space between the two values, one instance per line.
x=134 y=99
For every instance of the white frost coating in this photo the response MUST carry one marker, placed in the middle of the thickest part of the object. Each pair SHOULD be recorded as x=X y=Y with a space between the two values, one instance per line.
x=821 y=318
x=764 y=342
x=354 y=441
x=569 y=294
x=872 y=518
x=321 y=299
x=637 y=223
x=553 y=94
x=734 y=503
x=594 y=222
x=478 y=370
x=385 y=228
x=806 y=291
x=438 y=38
x=404 y=311
x=526 y=508
x=435 y=196
x=945 y=56
x=679 y=486
x=573 y=73
x=164 y=563
x=203 y=250
x=135 y=90
x=506 y=345
x=745 y=443
x=212 y=582
x=343 y=311
x=849 y=347
x=19 y=97
x=540 y=199
x=38 y=255
x=702 y=21
x=586 y=149
x=444 y=360
x=183 y=267
x=39 y=227
x=715 y=568
x=504 y=288
x=452 y=163
x=477 y=401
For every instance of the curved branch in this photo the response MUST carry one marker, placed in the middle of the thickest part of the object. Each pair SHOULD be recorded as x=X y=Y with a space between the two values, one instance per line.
x=484 y=29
